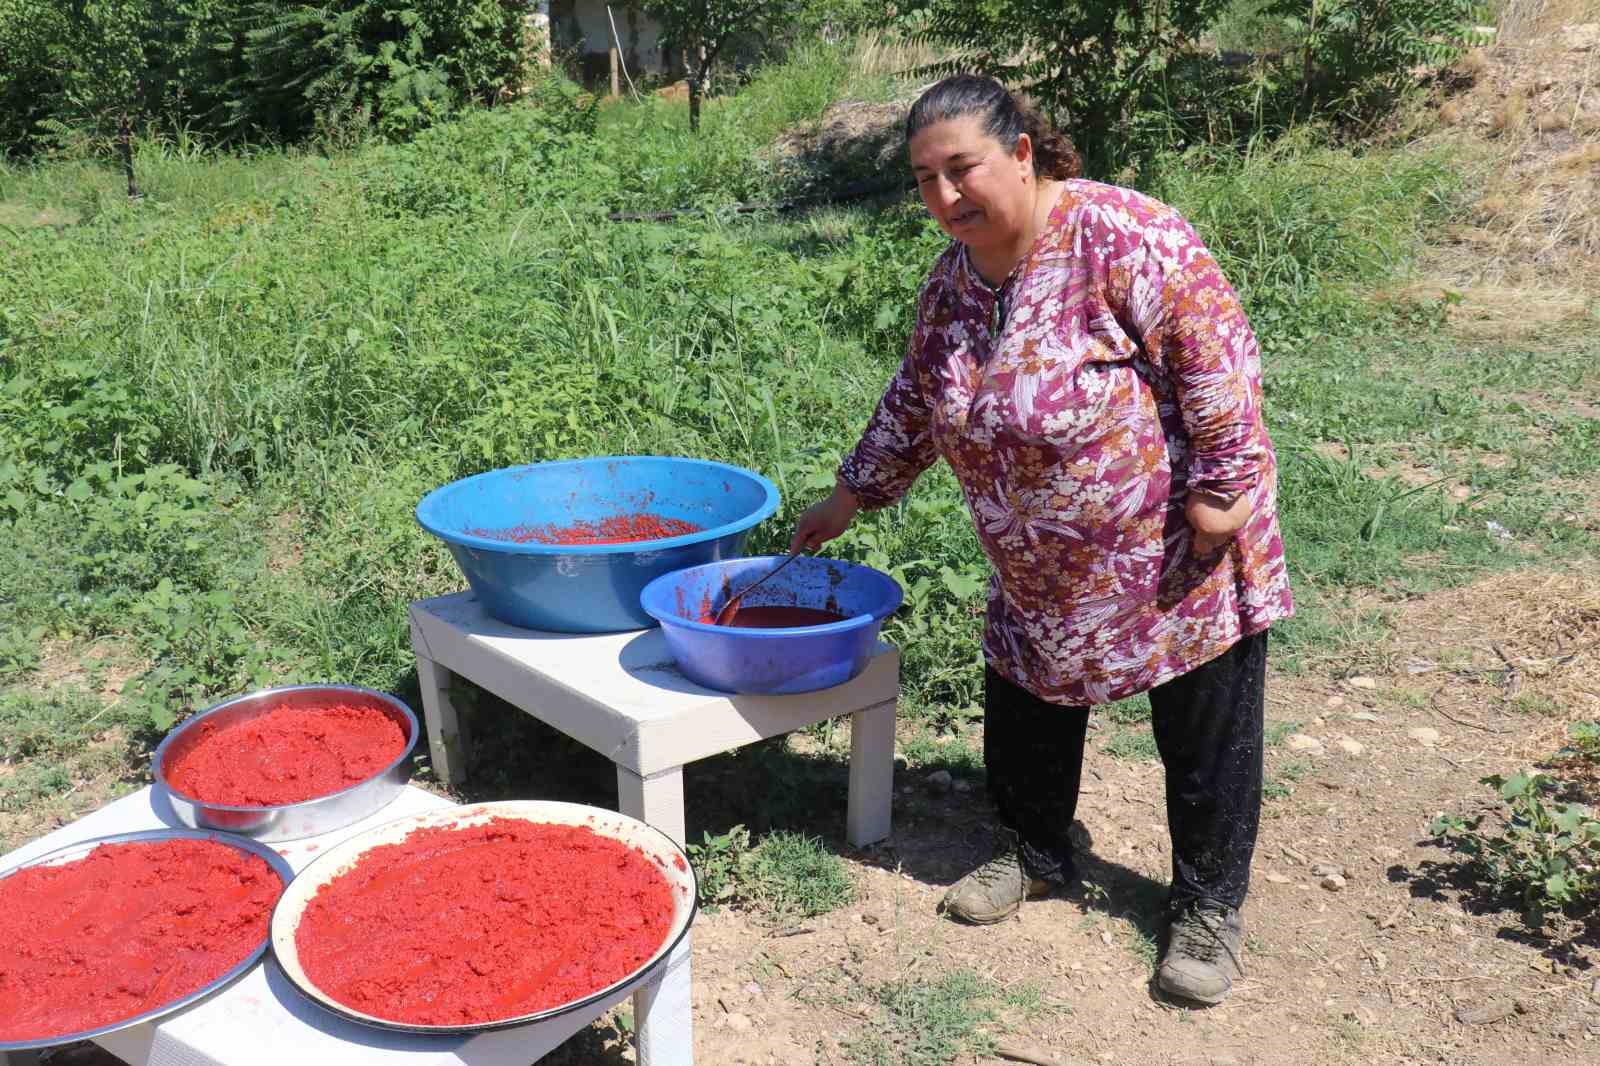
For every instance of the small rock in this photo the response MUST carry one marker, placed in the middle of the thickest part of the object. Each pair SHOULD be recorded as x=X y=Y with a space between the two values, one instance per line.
x=1455 y=930
x=940 y=782
x=869 y=919
x=1333 y=883
x=1425 y=735
x=1328 y=869
x=1351 y=747
x=1483 y=1014
x=961 y=784
x=1303 y=742
x=739 y=1023
x=1521 y=1006
x=1278 y=879
x=1363 y=716
x=1363 y=682
x=1496 y=530
x=1335 y=701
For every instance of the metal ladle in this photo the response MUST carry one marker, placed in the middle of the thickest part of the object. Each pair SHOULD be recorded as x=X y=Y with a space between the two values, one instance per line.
x=726 y=612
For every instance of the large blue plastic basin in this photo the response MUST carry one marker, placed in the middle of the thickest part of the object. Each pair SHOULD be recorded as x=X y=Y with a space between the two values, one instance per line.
x=590 y=588
x=773 y=660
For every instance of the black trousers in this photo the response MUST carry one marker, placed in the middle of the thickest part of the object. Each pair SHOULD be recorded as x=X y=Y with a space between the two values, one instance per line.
x=1208 y=728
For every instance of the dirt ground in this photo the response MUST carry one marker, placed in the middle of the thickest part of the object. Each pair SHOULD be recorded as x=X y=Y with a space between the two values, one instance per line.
x=1392 y=967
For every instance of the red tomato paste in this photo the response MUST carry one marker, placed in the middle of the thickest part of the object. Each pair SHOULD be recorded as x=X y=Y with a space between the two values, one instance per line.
x=621 y=529
x=124 y=930
x=484 y=923
x=780 y=616
x=288 y=755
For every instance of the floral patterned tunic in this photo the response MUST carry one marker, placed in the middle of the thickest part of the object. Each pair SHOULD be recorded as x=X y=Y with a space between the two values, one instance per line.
x=1123 y=374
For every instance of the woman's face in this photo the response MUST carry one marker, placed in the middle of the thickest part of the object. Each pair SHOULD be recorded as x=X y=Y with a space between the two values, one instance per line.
x=978 y=192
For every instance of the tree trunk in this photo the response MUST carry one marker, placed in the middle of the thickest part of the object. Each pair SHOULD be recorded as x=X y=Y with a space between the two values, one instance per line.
x=699 y=77
x=125 y=150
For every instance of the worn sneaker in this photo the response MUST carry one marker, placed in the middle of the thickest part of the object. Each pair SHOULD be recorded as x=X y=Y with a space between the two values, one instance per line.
x=994 y=891
x=1204 y=944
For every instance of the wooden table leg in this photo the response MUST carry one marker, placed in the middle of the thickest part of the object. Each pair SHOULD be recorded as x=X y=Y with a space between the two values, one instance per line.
x=867 y=817
x=661 y=1010
x=447 y=737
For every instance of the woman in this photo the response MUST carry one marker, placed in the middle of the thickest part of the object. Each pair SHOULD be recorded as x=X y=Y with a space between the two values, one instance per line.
x=1087 y=372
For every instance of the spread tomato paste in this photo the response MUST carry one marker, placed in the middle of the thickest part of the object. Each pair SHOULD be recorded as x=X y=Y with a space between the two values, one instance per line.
x=456 y=926
x=288 y=755
x=124 y=930
x=621 y=529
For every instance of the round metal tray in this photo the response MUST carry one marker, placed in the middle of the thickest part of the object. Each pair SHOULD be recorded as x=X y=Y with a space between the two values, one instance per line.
x=82 y=848
x=337 y=860
x=289 y=821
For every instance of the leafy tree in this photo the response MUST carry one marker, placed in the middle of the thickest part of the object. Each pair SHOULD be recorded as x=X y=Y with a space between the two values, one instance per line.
x=111 y=83
x=1089 y=63
x=703 y=31
x=1359 y=56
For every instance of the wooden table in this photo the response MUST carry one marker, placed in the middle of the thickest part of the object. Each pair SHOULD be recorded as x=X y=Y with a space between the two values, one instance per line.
x=262 y=1019
x=621 y=695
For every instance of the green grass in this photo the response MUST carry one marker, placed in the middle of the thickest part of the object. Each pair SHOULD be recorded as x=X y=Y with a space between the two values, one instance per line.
x=927 y=1023
x=219 y=405
x=1280 y=783
x=1131 y=746
x=795 y=876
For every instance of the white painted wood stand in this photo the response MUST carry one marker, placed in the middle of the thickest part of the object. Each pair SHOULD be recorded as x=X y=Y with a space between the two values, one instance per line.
x=621 y=695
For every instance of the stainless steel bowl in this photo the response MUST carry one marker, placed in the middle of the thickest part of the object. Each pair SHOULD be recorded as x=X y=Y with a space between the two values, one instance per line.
x=289 y=821
x=73 y=852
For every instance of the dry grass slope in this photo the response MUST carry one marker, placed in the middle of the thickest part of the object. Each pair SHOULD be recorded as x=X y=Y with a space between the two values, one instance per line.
x=1527 y=262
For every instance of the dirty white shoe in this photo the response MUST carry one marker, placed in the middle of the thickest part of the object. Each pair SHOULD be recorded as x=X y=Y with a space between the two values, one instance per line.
x=994 y=891
x=1204 y=945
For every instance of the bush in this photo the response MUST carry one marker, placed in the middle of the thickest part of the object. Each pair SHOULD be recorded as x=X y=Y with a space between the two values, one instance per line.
x=1546 y=855
x=278 y=69
x=397 y=65
x=533 y=153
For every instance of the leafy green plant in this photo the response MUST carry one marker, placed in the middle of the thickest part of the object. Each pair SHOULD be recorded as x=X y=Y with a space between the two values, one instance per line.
x=721 y=864
x=1545 y=854
x=1583 y=742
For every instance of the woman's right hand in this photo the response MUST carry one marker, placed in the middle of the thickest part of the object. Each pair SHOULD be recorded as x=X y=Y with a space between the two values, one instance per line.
x=823 y=521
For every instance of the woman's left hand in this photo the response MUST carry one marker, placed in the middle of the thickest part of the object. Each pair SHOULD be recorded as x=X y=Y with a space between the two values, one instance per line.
x=1215 y=520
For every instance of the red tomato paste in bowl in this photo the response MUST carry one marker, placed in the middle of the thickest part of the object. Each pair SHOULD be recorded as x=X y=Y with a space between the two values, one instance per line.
x=483 y=923
x=621 y=529
x=125 y=930
x=288 y=755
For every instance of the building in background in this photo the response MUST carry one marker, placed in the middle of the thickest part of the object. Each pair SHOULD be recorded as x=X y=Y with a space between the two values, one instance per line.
x=580 y=32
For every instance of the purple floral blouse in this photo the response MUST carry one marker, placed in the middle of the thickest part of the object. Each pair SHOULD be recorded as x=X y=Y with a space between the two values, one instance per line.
x=1123 y=374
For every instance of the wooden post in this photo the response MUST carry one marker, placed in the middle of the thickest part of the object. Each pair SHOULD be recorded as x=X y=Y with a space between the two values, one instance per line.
x=616 y=63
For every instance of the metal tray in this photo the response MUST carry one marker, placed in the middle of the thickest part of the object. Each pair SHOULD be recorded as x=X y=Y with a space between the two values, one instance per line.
x=82 y=848
x=654 y=843
x=289 y=821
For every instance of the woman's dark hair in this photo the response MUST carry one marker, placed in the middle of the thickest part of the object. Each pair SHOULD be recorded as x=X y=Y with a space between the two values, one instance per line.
x=1004 y=115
